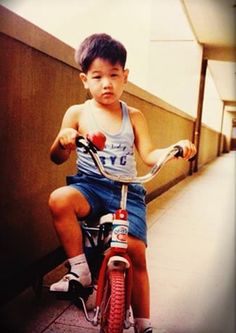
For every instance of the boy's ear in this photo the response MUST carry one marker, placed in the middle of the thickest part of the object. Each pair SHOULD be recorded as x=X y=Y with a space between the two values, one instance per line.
x=83 y=78
x=126 y=74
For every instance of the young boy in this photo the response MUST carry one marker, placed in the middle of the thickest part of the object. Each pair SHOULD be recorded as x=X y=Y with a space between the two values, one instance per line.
x=102 y=60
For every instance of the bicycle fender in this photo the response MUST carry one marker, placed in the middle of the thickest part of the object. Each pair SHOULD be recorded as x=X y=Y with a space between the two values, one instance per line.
x=118 y=262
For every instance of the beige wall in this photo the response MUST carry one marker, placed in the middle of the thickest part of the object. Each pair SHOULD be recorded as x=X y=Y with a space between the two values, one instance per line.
x=36 y=91
x=227 y=130
x=209 y=143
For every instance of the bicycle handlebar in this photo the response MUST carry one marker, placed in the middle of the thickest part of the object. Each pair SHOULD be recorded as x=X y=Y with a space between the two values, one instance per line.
x=89 y=147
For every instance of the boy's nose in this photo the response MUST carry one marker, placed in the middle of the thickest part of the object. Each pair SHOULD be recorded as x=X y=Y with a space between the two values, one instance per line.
x=106 y=83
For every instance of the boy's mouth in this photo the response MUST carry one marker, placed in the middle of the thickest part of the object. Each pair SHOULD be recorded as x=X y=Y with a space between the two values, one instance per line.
x=107 y=94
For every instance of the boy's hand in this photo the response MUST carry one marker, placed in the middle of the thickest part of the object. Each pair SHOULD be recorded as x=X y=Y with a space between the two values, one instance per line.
x=189 y=149
x=66 y=139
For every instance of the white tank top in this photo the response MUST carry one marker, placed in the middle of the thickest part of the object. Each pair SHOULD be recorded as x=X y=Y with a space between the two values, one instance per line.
x=118 y=155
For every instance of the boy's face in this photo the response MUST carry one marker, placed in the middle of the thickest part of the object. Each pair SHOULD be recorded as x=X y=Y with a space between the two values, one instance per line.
x=105 y=81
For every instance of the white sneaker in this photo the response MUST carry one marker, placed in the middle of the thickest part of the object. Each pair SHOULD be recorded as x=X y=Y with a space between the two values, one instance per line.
x=71 y=282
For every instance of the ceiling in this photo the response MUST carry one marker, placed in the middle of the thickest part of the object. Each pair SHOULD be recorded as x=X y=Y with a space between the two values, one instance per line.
x=214 y=24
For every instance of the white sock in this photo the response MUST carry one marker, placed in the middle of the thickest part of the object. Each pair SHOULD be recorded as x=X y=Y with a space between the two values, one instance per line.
x=80 y=267
x=141 y=324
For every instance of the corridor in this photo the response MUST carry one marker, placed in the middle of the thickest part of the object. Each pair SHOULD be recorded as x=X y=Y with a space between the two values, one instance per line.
x=192 y=253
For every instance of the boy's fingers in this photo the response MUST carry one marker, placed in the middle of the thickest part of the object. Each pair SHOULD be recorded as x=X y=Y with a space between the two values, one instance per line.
x=74 y=135
x=189 y=150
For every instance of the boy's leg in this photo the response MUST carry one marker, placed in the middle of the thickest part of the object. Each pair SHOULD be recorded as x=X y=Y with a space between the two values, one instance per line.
x=140 y=299
x=66 y=204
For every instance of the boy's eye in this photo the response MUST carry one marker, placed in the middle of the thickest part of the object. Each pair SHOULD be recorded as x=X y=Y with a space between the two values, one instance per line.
x=97 y=77
x=114 y=75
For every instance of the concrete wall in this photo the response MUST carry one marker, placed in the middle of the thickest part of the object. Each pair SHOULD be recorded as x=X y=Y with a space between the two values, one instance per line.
x=209 y=143
x=227 y=130
x=36 y=90
x=39 y=81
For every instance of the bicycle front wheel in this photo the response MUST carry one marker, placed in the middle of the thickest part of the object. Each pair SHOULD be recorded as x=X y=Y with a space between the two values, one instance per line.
x=113 y=303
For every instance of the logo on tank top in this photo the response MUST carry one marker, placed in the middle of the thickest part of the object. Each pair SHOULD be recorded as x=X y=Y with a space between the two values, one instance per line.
x=116 y=154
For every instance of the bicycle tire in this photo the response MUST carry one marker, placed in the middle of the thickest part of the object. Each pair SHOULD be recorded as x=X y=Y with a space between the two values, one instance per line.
x=113 y=304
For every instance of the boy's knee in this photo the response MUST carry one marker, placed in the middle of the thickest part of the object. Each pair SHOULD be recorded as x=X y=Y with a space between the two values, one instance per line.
x=57 y=201
x=65 y=200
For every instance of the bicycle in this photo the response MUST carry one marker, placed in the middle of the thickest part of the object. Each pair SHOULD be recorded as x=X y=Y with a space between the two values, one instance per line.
x=105 y=246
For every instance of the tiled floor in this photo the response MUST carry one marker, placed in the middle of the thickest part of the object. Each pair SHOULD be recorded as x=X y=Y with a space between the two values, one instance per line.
x=191 y=260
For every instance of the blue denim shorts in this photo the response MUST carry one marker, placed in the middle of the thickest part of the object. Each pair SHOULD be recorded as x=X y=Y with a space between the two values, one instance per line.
x=104 y=195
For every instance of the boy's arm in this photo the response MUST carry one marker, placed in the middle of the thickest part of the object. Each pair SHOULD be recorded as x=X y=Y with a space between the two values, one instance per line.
x=144 y=144
x=65 y=140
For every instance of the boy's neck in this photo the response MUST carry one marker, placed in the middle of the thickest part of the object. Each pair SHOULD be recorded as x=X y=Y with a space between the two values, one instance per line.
x=106 y=107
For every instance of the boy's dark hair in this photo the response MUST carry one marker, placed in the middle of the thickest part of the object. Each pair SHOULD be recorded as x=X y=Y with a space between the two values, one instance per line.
x=100 y=46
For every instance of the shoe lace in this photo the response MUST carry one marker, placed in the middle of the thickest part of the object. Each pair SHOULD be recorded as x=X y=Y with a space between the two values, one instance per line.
x=69 y=276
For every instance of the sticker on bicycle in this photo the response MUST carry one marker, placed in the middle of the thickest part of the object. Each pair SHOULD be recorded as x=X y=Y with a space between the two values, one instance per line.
x=119 y=234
